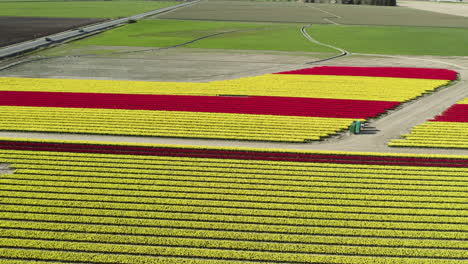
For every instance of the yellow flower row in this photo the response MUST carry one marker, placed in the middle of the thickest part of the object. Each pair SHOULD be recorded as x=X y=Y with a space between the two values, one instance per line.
x=313 y=86
x=170 y=123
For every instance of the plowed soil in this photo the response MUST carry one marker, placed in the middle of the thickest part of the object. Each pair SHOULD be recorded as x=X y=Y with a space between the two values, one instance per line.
x=18 y=29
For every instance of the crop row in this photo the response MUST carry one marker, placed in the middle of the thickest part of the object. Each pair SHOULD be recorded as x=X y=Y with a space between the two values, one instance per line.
x=178 y=124
x=286 y=85
x=101 y=208
x=331 y=155
x=260 y=105
x=393 y=72
x=315 y=169
x=448 y=130
x=238 y=154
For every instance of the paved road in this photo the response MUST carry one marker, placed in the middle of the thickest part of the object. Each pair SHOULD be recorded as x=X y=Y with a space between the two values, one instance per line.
x=46 y=41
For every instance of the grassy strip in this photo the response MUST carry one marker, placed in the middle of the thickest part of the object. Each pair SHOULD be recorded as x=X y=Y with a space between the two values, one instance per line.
x=394 y=40
x=164 y=33
x=80 y=9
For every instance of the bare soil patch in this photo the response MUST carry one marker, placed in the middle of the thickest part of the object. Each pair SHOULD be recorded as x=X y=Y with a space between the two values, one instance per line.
x=5 y=169
x=456 y=9
x=18 y=29
x=315 y=14
x=178 y=65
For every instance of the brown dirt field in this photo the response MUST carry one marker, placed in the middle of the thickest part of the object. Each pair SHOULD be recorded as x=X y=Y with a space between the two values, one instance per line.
x=456 y=9
x=19 y=29
x=315 y=13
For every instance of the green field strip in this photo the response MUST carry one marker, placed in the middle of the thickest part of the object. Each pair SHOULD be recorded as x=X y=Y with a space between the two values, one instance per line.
x=52 y=256
x=158 y=215
x=203 y=243
x=245 y=185
x=155 y=190
x=162 y=181
x=24 y=154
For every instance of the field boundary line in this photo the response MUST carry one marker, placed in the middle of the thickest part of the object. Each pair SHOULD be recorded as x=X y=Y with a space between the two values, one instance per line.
x=326 y=12
x=310 y=38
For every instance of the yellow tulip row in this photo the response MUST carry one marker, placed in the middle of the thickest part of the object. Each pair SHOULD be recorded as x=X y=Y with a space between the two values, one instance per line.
x=313 y=86
x=102 y=208
x=170 y=124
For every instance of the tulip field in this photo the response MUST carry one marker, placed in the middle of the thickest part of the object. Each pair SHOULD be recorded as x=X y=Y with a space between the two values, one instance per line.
x=448 y=130
x=78 y=202
x=296 y=106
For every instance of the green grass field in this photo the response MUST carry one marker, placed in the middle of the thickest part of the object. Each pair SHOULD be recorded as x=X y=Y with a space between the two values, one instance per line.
x=395 y=40
x=287 y=37
x=163 y=33
x=80 y=9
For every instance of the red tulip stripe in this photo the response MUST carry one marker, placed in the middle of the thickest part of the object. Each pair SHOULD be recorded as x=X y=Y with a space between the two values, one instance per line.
x=395 y=72
x=456 y=113
x=260 y=105
x=234 y=154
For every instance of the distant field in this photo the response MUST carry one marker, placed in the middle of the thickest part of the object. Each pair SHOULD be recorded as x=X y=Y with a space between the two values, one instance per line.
x=395 y=40
x=163 y=33
x=17 y=29
x=80 y=9
x=315 y=13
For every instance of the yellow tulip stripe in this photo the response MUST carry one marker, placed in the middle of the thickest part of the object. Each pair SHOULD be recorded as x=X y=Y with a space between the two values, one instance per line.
x=70 y=207
x=449 y=130
x=285 y=85
x=170 y=123
x=435 y=135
